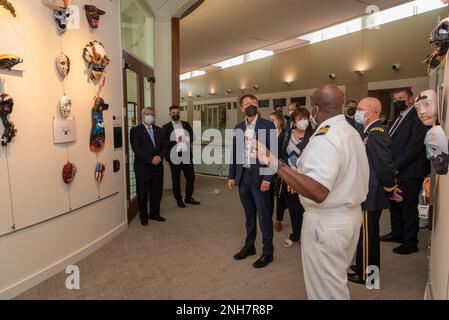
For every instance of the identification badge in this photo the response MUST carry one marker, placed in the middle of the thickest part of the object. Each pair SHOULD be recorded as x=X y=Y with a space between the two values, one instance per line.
x=423 y=211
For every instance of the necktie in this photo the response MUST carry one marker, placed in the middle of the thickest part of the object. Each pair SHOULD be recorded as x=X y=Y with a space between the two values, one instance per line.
x=151 y=133
x=395 y=125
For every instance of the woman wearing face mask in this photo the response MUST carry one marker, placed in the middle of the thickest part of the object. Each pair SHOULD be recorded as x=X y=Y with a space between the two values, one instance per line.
x=292 y=147
x=279 y=122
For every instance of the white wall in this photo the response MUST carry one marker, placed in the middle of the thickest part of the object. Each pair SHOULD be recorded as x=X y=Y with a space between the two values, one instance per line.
x=32 y=254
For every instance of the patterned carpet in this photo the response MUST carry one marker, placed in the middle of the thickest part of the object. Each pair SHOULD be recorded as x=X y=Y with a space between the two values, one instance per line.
x=190 y=257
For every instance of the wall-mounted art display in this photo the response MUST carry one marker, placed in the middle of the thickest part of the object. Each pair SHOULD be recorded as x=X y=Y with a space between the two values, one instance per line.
x=426 y=104
x=8 y=6
x=12 y=48
x=65 y=106
x=68 y=172
x=61 y=13
x=93 y=15
x=95 y=55
x=98 y=134
x=6 y=107
x=438 y=149
x=99 y=171
x=439 y=39
x=64 y=131
x=9 y=61
x=63 y=65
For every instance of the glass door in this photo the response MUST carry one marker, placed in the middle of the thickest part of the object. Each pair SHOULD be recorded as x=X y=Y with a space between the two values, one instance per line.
x=138 y=84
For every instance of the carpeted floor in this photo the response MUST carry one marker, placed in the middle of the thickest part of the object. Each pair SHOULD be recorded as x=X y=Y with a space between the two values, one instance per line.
x=190 y=257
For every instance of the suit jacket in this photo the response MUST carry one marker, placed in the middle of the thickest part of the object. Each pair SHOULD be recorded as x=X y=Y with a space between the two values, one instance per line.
x=168 y=129
x=144 y=149
x=407 y=147
x=288 y=133
x=382 y=179
x=236 y=167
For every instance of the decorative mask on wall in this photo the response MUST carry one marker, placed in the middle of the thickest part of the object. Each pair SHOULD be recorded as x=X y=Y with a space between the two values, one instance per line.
x=8 y=61
x=65 y=106
x=437 y=149
x=439 y=37
x=95 y=55
x=99 y=171
x=61 y=13
x=63 y=65
x=93 y=15
x=426 y=104
x=69 y=172
x=98 y=135
x=62 y=18
x=8 y=6
x=6 y=106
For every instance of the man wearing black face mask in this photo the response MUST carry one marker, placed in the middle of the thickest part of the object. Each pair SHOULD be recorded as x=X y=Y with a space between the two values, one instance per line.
x=409 y=156
x=178 y=139
x=350 y=109
x=253 y=180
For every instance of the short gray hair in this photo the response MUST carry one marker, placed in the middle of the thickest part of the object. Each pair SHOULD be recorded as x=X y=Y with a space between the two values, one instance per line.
x=147 y=108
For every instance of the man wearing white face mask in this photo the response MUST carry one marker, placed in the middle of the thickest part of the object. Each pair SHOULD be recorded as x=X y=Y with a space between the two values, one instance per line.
x=146 y=143
x=382 y=186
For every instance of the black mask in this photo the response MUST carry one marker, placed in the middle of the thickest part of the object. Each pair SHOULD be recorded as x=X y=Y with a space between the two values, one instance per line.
x=176 y=118
x=251 y=111
x=351 y=112
x=400 y=105
x=440 y=163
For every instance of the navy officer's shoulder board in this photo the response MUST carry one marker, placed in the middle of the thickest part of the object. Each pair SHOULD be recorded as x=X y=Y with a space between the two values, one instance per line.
x=323 y=131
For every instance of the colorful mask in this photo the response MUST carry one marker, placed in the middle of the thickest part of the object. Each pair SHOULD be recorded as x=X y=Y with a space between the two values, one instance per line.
x=93 y=15
x=98 y=135
x=8 y=6
x=99 y=171
x=63 y=65
x=65 y=106
x=6 y=106
x=69 y=172
x=439 y=37
x=95 y=55
x=426 y=104
x=8 y=61
x=437 y=149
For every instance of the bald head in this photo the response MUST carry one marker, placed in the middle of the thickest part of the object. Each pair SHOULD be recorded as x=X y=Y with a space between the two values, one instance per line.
x=329 y=99
x=372 y=108
x=371 y=105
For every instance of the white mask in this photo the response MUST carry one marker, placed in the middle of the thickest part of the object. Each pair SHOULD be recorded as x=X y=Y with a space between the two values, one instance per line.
x=65 y=106
x=359 y=117
x=313 y=119
x=149 y=120
x=302 y=125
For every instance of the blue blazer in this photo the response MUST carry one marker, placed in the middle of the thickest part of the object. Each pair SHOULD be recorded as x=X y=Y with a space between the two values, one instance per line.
x=263 y=127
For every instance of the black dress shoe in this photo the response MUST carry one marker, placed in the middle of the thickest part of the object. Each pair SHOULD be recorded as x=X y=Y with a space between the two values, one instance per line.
x=144 y=222
x=263 y=261
x=355 y=278
x=192 y=201
x=389 y=238
x=405 y=249
x=353 y=268
x=158 y=218
x=181 y=204
x=245 y=253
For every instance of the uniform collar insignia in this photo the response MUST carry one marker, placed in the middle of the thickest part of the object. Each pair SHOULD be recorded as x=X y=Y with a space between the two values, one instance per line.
x=323 y=131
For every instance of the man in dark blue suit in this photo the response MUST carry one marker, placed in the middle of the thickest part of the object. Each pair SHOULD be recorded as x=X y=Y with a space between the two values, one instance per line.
x=253 y=179
x=146 y=143
x=409 y=156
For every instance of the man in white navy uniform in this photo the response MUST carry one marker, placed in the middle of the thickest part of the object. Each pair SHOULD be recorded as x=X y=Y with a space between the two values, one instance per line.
x=332 y=183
